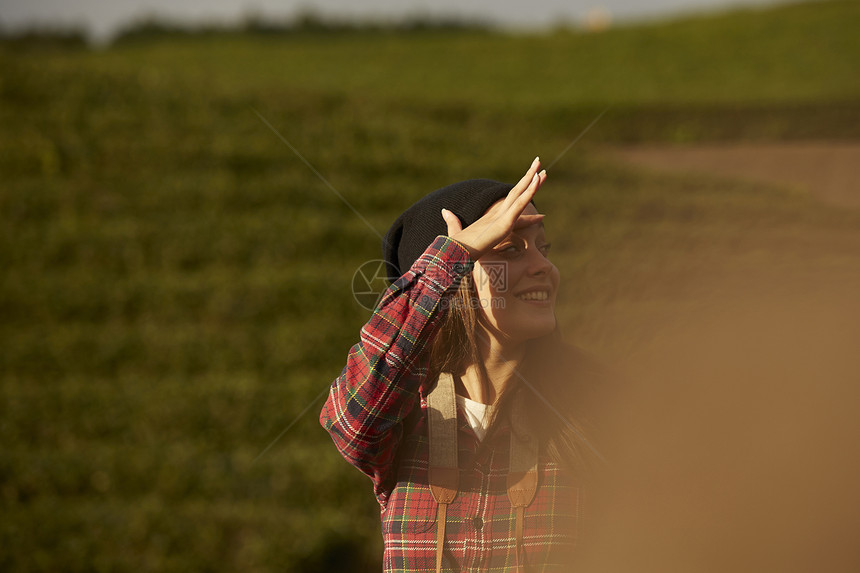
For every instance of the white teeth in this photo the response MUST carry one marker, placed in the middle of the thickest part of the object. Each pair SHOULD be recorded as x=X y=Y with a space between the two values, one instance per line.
x=534 y=295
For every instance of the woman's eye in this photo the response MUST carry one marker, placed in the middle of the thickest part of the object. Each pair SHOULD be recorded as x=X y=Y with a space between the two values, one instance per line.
x=545 y=248
x=509 y=250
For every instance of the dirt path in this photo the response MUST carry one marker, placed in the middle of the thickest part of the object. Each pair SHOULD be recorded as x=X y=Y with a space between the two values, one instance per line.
x=828 y=171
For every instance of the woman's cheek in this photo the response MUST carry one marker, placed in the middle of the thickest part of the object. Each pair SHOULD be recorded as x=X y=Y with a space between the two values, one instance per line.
x=482 y=285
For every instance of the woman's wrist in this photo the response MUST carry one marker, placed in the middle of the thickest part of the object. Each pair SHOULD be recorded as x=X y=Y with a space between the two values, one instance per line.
x=473 y=253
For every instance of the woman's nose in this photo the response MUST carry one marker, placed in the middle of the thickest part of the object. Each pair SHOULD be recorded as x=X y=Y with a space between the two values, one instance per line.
x=538 y=263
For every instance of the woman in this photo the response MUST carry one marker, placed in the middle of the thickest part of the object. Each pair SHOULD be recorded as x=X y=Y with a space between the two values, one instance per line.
x=460 y=401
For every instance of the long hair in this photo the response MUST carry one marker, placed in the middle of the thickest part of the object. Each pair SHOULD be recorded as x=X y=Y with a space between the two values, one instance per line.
x=555 y=382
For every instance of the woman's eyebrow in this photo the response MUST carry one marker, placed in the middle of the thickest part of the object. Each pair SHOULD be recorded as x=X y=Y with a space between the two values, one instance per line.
x=539 y=225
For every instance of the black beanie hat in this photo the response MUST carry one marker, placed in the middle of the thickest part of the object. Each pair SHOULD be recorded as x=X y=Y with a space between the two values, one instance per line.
x=415 y=229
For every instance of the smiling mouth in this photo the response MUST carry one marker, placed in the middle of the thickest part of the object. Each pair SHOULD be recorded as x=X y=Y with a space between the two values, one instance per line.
x=534 y=296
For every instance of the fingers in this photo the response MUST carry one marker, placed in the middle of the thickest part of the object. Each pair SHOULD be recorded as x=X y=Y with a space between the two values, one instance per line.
x=488 y=231
x=524 y=183
x=453 y=222
x=534 y=185
x=530 y=173
x=516 y=207
x=528 y=185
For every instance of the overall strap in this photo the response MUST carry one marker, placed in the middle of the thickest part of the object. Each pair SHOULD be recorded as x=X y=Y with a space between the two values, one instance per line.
x=522 y=475
x=444 y=472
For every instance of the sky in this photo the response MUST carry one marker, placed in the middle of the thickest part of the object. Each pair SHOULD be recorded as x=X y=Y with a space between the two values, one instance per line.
x=101 y=18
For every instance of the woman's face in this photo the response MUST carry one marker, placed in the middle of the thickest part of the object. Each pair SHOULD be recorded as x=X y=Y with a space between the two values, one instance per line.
x=517 y=284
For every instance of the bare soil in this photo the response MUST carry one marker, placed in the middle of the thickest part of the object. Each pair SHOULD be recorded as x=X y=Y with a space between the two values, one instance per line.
x=828 y=171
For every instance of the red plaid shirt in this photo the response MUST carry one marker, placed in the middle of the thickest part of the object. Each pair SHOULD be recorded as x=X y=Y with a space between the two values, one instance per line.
x=376 y=413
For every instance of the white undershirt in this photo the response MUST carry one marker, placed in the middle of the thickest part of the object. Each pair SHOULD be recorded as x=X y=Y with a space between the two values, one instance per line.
x=478 y=415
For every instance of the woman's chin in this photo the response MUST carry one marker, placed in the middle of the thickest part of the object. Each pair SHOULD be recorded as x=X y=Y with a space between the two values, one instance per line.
x=530 y=330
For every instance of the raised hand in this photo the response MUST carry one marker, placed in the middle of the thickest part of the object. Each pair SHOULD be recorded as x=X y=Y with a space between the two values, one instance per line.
x=496 y=224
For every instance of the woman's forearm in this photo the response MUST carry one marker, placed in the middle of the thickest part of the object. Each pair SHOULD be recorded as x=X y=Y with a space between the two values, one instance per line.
x=379 y=386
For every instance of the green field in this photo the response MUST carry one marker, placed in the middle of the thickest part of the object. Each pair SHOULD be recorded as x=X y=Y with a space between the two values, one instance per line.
x=176 y=282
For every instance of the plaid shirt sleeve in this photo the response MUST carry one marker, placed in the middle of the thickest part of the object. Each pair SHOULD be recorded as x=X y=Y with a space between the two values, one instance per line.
x=380 y=384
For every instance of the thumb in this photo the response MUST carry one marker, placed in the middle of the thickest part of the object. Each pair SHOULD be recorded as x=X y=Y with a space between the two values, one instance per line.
x=453 y=222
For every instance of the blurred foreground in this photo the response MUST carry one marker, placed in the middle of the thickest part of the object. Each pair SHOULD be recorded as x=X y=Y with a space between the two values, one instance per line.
x=736 y=447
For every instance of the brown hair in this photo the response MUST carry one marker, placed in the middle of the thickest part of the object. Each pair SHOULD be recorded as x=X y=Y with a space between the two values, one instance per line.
x=553 y=382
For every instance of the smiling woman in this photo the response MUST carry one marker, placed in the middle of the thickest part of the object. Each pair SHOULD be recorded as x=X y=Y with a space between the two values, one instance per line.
x=460 y=401
x=519 y=280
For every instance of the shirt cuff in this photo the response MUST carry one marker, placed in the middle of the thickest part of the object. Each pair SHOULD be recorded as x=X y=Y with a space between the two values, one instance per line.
x=445 y=260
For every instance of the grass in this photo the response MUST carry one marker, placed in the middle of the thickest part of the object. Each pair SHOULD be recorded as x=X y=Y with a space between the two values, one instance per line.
x=794 y=53
x=176 y=284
